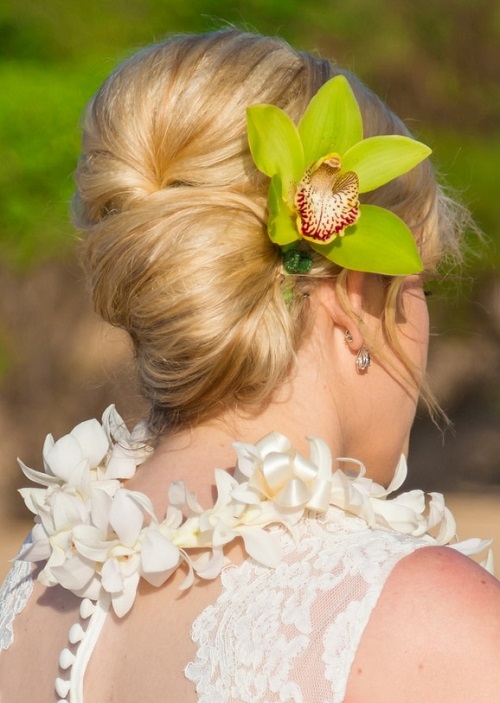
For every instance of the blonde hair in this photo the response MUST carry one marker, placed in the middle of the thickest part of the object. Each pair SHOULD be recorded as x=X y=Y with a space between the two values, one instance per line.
x=174 y=216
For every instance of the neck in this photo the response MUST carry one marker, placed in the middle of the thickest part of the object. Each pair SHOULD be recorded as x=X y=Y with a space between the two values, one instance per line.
x=303 y=407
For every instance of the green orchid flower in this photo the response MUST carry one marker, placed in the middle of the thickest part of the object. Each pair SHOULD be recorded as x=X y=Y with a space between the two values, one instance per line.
x=319 y=169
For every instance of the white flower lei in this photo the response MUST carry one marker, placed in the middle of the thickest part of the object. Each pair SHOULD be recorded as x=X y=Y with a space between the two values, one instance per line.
x=99 y=538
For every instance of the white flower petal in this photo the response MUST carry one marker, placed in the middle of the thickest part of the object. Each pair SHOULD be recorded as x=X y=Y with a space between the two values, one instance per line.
x=33 y=498
x=126 y=517
x=38 y=551
x=247 y=459
x=242 y=493
x=414 y=500
x=93 y=441
x=92 y=590
x=47 y=446
x=222 y=534
x=64 y=457
x=489 y=563
x=111 y=576
x=38 y=476
x=114 y=425
x=448 y=528
x=209 y=566
x=177 y=493
x=400 y=475
x=74 y=574
x=122 y=463
x=471 y=546
x=158 y=554
x=189 y=580
x=225 y=484
x=123 y=602
x=100 y=505
x=264 y=547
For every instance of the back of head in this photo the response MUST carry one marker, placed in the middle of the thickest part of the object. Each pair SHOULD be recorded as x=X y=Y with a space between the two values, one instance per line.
x=174 y=214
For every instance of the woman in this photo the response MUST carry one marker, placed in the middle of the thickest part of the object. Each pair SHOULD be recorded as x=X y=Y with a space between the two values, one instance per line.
x=260 y=295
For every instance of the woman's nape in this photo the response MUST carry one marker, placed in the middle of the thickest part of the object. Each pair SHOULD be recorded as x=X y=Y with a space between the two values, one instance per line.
x=367 y=416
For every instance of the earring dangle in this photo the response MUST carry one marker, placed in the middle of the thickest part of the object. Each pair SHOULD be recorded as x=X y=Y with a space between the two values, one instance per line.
x=363 y=360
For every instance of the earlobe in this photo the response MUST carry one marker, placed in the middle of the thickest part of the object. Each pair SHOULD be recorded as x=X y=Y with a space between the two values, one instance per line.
x=346 y=306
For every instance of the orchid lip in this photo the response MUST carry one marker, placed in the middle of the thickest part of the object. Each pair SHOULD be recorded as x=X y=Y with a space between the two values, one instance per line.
x=327 y=200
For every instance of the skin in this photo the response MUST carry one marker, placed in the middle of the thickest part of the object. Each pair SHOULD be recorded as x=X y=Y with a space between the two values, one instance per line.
x=434 y=635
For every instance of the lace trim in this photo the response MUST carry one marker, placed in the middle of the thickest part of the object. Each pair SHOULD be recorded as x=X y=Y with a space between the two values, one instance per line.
x=14 y=595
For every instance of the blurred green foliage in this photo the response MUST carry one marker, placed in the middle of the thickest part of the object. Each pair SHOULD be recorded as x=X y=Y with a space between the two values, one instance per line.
x=436 y=63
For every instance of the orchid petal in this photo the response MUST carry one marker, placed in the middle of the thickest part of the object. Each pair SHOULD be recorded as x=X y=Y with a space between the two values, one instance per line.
x=399 y=476
x=126 y=517
x=244 y=494
x=114 y=426
x=264 y=547
x=332 y=121
x=92 y=590
x=248 y=458
x=400 y=517
x=47 y=446
x=92 y=440
x=225 y=484
x=282 y=229
x=111 y=577
x=489 y=562
x=38 y=551
x=74 y=574
x=471 y=546
x=275 y=143
x=177 y=493
x=95 y=550
x=379 y=242
x=173 y=518
x=189 y=580
x=122 y=463
x=143 y=501
x=64 y=456
x=34 y=498
x=209 y=566
x=222 y=534
x=415 y=500
x=158 y=554
x=448 y=528
x=122 y=602
x=100 y=503
x=378 y=160
x=67 y=511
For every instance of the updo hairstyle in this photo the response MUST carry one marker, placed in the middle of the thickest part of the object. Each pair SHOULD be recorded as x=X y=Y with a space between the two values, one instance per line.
x=173 y=212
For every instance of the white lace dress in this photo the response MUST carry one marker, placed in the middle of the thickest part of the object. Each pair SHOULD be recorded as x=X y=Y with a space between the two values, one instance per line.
x=284 y=634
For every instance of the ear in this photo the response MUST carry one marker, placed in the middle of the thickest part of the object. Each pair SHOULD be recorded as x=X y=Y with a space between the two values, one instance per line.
x=349 y=320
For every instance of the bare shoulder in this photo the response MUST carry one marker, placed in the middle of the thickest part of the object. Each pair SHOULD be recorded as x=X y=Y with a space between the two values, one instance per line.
x=434 y=634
